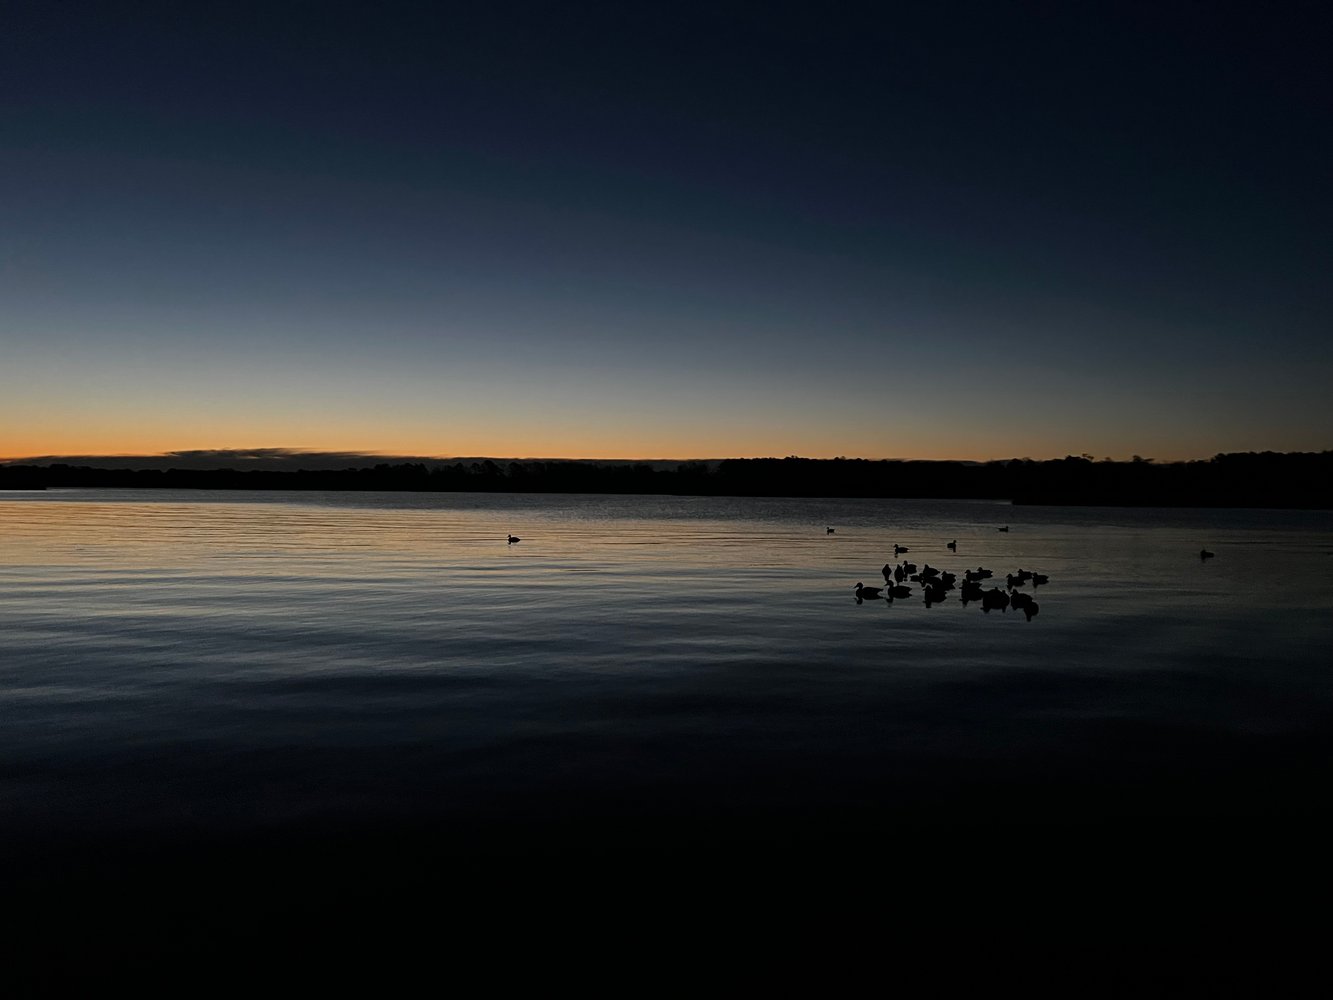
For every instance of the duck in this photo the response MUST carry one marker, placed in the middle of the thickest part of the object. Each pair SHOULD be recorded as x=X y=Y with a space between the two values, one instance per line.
x=1005 y=528
x=888 y=574
x=1039 y=578
x=899 y=591
x=952 y=546
x=899 y=549
x=934 y=594
x=994 y=598
x=513 y=539
x=1018 y=600
x=864 y=593
x=1205 y=554
x=830 y=531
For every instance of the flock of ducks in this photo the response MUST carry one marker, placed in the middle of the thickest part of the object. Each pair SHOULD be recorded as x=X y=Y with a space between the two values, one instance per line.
x=936 y=585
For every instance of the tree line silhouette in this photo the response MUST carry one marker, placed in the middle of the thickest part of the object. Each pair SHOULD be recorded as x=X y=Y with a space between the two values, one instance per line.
x=1246 y=479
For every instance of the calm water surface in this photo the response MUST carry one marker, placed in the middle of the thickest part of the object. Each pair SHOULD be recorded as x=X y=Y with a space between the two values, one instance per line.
x=258 y=661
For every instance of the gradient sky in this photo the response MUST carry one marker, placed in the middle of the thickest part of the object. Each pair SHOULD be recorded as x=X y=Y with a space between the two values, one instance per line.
x=660 y=230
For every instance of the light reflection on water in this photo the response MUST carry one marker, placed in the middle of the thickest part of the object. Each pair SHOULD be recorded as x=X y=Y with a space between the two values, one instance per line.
x=243 y=660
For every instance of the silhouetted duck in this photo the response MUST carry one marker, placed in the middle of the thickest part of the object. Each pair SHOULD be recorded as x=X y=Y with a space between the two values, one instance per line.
x=1025 y=604
x=513 y=539
x=829 y=531
x=888 y=574
x=1005 y=528
x=899 y=573
x=867 y=593
x=1204 y=554
x=1039 y=578
x=977 y=574
x=899 y=549
x=899 y=591
x=934 y=594
x=952 y=546
x=909 y=567
x=971 y=591
x=994 y=598
x=929 y=572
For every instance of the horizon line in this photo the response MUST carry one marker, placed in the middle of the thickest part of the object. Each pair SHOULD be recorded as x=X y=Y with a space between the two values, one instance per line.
x=286 y=455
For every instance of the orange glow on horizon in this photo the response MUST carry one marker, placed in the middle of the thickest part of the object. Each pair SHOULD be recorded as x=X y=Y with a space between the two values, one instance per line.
x=541 y=447
x=107 y=427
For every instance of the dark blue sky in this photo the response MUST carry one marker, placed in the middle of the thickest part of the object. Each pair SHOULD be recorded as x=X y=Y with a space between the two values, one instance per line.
x=630 y=230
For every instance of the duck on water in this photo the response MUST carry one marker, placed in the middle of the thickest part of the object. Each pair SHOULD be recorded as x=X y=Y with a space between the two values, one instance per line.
x=864 y=593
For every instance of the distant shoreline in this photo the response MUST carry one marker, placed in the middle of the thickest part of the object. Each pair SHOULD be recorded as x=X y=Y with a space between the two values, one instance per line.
x=1294 y=480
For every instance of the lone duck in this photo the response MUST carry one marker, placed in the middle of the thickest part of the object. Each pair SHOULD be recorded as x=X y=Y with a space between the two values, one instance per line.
x=513 y=539
x=952 y=546
x=899 y=549
x=1204 y=554
x=1005 y=528
x=829 y=531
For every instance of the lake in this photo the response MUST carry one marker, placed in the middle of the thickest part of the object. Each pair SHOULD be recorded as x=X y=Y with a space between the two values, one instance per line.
x=643 y=672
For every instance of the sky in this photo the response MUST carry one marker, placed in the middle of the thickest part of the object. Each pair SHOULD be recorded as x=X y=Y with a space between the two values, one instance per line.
x=653 y=230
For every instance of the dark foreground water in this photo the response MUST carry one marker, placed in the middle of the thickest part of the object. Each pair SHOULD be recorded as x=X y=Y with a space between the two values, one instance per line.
x=379 y=688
